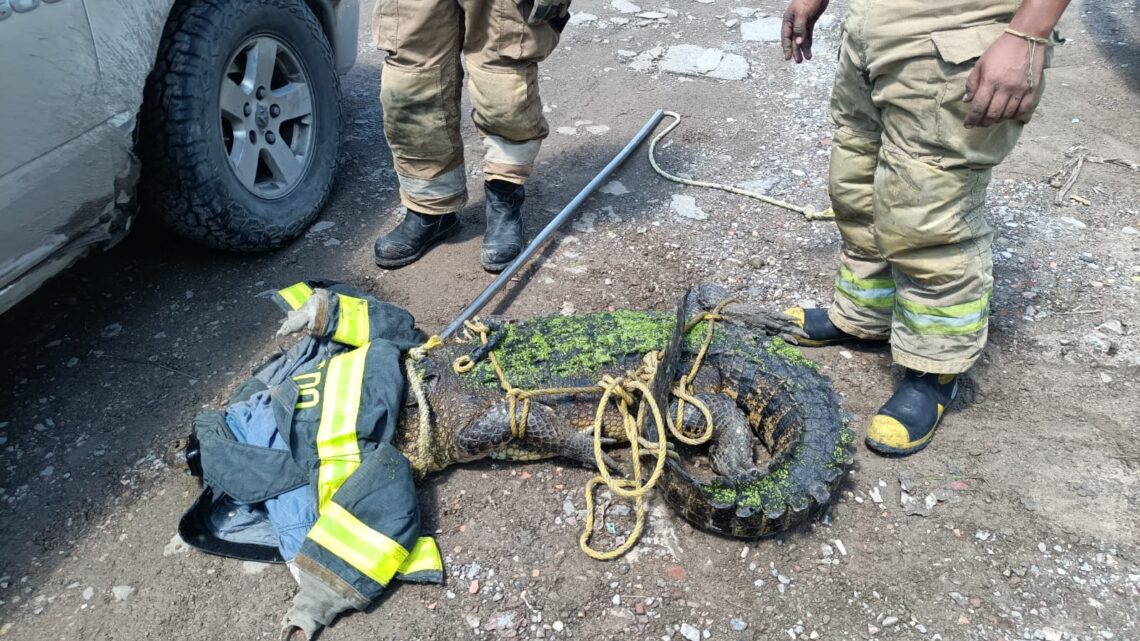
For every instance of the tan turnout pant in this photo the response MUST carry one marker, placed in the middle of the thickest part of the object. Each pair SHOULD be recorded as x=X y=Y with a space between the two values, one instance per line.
x=420 y=93
x=908 y=180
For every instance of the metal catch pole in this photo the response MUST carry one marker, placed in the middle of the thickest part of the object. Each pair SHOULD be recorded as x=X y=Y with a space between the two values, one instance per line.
x=552 y=227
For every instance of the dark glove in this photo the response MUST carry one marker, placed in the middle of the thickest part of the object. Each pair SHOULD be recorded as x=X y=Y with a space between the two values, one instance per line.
x=546 y=10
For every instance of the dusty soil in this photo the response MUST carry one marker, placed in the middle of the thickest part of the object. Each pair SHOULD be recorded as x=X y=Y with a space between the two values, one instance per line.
x=1036 y=532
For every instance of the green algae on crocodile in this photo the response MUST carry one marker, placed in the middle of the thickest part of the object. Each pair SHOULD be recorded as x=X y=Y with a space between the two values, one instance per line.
x=568 y=348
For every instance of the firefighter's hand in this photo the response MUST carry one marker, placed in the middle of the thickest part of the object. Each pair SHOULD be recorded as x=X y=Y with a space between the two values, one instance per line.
x=998 y=88
x=546 y=10
x=799 y=23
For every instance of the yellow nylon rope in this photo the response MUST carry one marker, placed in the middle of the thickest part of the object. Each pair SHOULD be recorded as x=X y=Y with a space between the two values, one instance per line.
x=623 y=391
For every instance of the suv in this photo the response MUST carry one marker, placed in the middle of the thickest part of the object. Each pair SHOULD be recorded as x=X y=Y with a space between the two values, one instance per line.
x=224 y=113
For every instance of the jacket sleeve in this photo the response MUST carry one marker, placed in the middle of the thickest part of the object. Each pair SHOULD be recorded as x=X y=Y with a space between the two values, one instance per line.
x=369 y=532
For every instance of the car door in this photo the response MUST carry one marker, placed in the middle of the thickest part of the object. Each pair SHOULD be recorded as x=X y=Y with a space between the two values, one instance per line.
x=55 y=179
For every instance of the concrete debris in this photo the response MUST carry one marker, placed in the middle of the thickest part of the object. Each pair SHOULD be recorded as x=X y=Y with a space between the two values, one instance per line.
x=625 y=6
x=691 y=60
x=766 y=29
x=581 y=18
x=686 y=207
x=122 y=592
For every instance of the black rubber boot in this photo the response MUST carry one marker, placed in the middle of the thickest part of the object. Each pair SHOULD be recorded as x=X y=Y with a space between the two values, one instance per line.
x=906 y=423
x=819 y=328
x=503 y=240
x=413 y=237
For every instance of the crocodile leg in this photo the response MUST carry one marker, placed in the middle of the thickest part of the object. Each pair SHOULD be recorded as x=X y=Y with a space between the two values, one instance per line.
x=547 y=435
x=757 y=318
x=732 y=440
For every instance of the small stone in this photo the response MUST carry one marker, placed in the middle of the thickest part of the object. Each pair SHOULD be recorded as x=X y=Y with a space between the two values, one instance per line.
x=690 y=633
x=739 y=625
x=321 y=226
x=472 y=620
x=1051 y=634
x=1072 y=222
x=614 y=188
x=558 y=626
x=122 y=592
x=88 y=593
x=982 y=535
x=47 y=471
x=1112 y=326
x=1129 y=231
x=175 y=546
x=473 y=587
x=112 y=330
x=904 y=482
x=825 y=549
x=889 y=621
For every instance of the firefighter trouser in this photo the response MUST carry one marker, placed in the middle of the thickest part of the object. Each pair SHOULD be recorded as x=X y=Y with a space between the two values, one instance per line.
x=420 y=93
x=908 y=180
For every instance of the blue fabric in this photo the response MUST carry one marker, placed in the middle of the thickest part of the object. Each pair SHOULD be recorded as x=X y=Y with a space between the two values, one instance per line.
x=293 y=513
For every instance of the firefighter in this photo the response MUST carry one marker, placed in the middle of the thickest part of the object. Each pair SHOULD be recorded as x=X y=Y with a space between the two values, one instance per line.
x=928 y=98
x=502 y=42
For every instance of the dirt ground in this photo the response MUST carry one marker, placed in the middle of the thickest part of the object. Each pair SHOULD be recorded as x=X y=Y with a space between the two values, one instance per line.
x=1034 y=531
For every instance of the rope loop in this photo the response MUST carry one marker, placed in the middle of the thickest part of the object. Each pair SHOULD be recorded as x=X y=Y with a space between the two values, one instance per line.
x=631 y=395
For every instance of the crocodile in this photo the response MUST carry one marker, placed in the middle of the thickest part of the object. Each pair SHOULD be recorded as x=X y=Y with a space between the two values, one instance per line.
x=759 y=389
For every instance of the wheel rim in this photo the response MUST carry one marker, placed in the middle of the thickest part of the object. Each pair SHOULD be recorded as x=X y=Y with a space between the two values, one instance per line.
x=267 y=116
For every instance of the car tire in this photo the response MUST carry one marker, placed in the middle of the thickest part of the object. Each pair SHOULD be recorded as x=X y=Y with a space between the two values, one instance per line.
x=218 y=166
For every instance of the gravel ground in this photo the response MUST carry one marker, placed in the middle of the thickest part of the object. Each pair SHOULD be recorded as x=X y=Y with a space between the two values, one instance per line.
x=1018 y=522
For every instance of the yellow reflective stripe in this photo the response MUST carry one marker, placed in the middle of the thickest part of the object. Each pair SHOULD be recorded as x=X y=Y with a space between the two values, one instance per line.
x=370 y=552
x=949 y=311
x=865 y=283
x=424 y=558
x=352 y=321
x=337 y=446
x=296 y=295
x=951 y=320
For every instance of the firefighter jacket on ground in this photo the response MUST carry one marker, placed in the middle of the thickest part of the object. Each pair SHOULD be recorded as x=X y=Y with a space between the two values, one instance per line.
x=306 y=445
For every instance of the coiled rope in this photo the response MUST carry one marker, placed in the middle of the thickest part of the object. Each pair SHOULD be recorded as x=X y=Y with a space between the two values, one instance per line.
x=808 y=212
x=634 y=388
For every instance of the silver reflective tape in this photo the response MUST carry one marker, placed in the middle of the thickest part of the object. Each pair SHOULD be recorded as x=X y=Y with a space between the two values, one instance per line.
x=872 y=294
x=946 y=321
x=505 y=152
x=452 y=183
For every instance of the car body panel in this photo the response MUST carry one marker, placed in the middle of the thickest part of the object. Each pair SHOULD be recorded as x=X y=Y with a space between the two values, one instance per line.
x=73 y=84
x=55 y=174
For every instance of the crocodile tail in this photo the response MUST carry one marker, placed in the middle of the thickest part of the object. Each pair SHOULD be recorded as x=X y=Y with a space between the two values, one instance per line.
x=796 y=415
